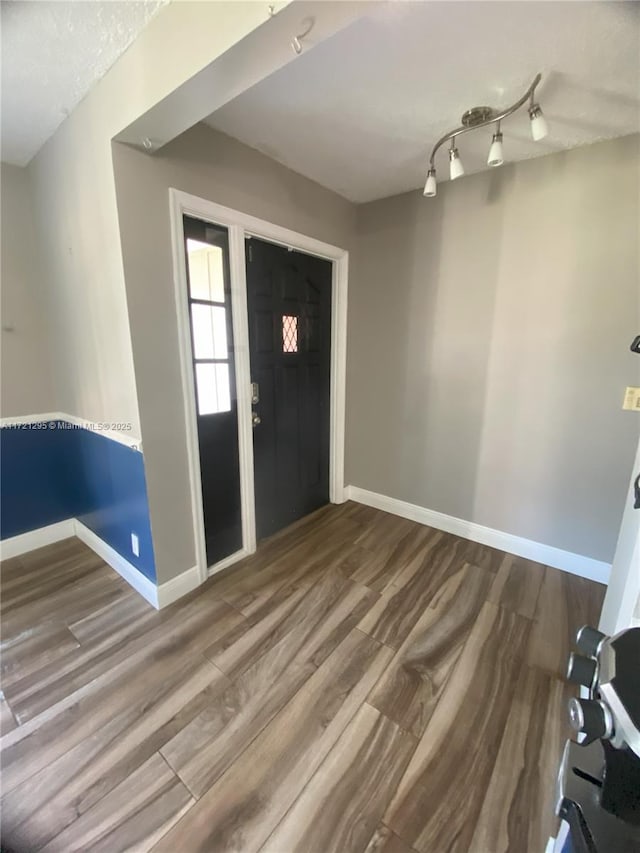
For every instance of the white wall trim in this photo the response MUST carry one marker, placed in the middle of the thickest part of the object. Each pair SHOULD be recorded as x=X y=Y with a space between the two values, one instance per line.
x=133 y=576
x=18 y=420
x=188 y=383
x=623 y=594
x=174 y=589
x=52 y=418
x=240 y=316
x=240 y=226
x=340 y=286
x=25 y=542
x=575 y=564
x=158 y=596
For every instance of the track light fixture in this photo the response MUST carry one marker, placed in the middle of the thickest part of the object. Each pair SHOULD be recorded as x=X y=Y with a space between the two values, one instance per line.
x=496 y=157
x=481 y=117
x=539 y=126
x=456 y=169
x=430 y=186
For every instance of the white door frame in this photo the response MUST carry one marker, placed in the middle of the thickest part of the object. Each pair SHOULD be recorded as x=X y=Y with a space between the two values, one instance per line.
x=240 y=226
x=623 y=591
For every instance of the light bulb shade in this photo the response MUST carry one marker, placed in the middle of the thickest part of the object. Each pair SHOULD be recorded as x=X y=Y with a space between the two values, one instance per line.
x=431 y=187
x=456 y=169
x=495 y=157
x=539 y=126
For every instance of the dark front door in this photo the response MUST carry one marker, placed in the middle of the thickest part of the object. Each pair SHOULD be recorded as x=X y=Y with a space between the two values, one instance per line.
x=289 y=302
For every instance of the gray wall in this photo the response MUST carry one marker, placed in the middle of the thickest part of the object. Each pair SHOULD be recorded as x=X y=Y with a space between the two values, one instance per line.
x=212 y=166
x=489 y=333
x=75 y=203
x=25 y=383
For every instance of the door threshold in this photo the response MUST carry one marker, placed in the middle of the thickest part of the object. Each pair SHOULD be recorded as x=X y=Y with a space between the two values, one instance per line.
x=227 y=561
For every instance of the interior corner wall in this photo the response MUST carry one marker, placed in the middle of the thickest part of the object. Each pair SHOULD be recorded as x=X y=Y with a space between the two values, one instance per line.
x=215 y=167
x=26 y=385
x=489 y=332
x=82 y=283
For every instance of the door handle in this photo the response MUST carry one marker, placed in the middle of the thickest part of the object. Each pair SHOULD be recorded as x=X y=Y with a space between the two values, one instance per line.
x=255 y=419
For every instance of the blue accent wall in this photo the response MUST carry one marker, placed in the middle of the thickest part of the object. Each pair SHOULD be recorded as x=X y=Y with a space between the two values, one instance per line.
x=30 y=479
x=48 y=475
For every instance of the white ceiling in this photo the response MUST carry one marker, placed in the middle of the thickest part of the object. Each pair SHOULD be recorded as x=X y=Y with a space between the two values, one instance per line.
x=52 y=54
x=360 y=112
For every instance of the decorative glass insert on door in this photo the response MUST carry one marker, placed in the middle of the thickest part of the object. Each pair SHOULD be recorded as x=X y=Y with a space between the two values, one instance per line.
x=209 y=327
x=289 y=333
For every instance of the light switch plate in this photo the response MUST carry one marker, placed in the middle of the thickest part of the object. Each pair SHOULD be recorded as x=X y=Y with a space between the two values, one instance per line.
x=632 y=399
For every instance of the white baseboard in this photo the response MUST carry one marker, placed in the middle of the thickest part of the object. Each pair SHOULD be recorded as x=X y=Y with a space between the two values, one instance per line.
x=158 y=596
x=133 y=576
x=25 y=542
x=566 y=561
x=174 y=589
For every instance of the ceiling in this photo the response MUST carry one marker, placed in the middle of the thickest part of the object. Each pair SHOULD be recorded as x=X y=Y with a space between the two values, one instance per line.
x=360 y=112
x=52 y=54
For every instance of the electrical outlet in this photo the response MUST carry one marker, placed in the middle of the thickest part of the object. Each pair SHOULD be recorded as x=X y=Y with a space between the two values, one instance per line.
x=135 y=544
x=631 y=399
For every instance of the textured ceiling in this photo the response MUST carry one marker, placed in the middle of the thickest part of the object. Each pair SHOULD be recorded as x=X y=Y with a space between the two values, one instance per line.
x=360 y=112
x=52 y=54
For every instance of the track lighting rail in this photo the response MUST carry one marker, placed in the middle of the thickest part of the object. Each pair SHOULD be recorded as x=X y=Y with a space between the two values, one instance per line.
x=494 y=117
x=482 y=117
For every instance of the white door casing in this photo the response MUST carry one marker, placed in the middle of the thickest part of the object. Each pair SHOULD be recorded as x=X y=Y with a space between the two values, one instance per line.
x=240 y=227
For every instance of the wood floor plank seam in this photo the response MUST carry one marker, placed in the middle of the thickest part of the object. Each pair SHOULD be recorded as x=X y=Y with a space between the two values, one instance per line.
x=258 y=786
x=173 y=772
x=417 y=677
x=168 y=750
x=443 y=761
x=384 y=840
x=79 y=778
x=532 y=736
x=315 y=829
x=73 y=837
x=39 y=691
x=11 y=742
x=8 y=720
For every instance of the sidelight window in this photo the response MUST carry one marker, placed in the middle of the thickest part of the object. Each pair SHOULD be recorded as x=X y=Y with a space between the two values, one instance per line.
x=209 y=318
x=209 y=323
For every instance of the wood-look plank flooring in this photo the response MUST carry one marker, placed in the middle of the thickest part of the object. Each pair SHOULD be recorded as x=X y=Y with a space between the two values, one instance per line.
x=362 y=684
